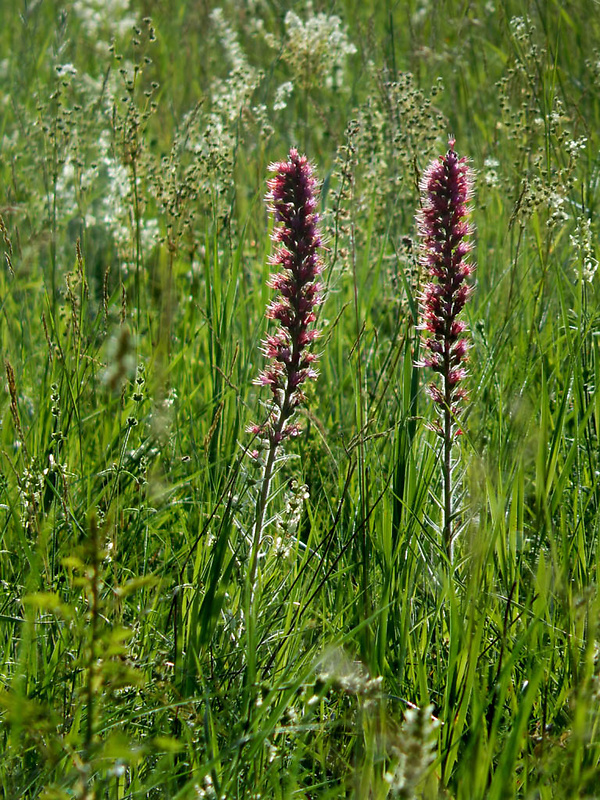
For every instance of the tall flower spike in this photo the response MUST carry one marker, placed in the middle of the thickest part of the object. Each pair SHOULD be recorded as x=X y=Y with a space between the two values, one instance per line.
x=292 y=201
x=444 y=228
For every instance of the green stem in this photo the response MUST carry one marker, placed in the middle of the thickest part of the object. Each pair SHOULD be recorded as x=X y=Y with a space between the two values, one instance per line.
x=447 y=455
x=91 y=671
x=259 y=520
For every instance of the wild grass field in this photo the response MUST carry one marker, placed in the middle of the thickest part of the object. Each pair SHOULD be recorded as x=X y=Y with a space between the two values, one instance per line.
x=373 y=607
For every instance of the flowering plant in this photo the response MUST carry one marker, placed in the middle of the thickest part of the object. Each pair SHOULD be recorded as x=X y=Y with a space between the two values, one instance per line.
x=292 y=200
x=444 y=228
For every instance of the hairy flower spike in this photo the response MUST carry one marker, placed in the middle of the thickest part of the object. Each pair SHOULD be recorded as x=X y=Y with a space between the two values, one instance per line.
x=443 y=224
x=292 y=201
x=444 y=228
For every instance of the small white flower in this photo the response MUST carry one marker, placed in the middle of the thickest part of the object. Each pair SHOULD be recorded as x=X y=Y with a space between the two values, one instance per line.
x=66 y=70
x=281 y=95
x=574 y=145
x=316 y=49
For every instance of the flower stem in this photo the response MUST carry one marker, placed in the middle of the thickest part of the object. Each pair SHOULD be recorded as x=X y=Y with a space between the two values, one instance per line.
x=292 y=201
x=444 y=229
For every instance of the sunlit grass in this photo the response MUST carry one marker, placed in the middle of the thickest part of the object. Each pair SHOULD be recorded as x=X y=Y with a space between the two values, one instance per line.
x=137 y=244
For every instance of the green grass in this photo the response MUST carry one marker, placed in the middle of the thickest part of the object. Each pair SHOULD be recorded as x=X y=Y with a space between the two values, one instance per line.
x=132 y=306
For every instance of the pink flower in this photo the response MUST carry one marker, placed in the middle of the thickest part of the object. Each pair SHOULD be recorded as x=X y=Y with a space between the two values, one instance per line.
x=292 y=201
x=444 y=228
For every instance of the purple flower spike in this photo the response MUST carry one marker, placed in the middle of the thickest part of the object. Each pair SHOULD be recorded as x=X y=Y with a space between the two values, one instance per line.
x=292 y=201
x=443 y=223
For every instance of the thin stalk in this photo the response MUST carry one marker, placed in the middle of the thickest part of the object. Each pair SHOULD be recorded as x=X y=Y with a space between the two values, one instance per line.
x=138 y=241
x=362 y=481
x=261 y=507
x=447 y=470
x=94 y=618
x=259 y=520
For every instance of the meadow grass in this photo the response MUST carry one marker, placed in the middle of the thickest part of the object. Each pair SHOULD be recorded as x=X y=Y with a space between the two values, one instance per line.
x=134 y=151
